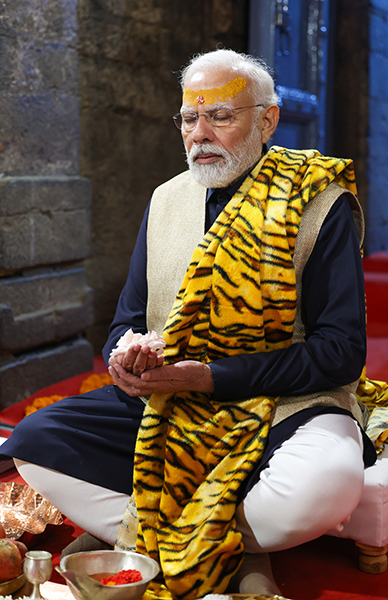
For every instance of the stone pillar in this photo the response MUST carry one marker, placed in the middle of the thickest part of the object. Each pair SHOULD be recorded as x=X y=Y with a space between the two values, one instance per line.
x=45 y=302
x=350 y=93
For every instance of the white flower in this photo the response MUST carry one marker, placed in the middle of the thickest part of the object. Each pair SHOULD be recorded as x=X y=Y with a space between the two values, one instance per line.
x=151 y=339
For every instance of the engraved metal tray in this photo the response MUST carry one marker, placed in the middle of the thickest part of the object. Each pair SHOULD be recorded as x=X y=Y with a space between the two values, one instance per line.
x=22 y=509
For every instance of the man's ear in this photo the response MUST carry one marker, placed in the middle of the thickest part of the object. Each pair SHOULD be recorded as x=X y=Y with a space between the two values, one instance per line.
x=269 y=118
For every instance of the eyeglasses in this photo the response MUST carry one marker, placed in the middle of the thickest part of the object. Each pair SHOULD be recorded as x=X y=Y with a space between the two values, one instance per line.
x=220 y=117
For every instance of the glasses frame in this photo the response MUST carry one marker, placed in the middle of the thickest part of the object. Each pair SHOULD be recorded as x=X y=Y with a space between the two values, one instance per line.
x=180 y=125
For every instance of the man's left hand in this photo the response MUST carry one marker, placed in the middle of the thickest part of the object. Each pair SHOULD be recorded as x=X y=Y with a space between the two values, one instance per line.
x=186 y=375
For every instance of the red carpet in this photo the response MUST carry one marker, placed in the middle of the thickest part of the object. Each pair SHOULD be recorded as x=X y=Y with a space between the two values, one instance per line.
x=323 y=569
x=326 y=569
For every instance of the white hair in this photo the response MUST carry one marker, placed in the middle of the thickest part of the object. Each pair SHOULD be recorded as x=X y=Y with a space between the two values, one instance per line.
x=256 y=69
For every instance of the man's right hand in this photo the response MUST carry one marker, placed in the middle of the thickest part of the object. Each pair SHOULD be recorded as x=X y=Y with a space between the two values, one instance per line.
x=138 y=359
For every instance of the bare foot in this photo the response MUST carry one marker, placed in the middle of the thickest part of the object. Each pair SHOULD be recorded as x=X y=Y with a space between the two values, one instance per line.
x=255 y=576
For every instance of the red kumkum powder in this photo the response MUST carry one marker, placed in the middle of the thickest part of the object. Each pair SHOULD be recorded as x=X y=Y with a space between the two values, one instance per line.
x=123 y=577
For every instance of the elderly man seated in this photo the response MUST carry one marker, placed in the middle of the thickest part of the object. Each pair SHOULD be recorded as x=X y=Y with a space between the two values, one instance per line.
x=247 y=437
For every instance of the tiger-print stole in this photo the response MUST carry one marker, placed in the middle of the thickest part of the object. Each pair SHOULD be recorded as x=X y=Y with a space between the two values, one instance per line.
x=238 y=296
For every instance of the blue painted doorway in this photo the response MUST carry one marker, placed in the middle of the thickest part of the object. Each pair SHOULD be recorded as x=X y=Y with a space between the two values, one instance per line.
x=293 y=36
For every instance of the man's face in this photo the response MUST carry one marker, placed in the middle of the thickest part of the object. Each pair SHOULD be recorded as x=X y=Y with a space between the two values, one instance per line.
x=219 y=156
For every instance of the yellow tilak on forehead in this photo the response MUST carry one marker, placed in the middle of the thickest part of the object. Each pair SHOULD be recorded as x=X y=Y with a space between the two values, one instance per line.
x=230 y=90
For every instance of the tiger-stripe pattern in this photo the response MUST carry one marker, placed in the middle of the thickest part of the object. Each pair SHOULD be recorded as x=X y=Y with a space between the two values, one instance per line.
x=238 y=296
x=374 y=394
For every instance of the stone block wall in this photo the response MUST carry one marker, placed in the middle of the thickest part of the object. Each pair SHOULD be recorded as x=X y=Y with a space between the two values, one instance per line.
x=87 y=92
x=45 y=205
x=377 y=230
x=46 y=307
x=43 y=220
x=39 y=109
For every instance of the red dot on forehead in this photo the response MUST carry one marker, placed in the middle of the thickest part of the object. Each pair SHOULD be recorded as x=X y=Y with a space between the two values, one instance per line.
x=200 y=100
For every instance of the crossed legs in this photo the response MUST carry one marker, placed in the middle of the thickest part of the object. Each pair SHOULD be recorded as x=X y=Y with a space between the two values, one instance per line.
x=311 y=485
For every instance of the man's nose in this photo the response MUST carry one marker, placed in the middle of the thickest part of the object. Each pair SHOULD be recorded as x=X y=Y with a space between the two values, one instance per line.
x=203 y=130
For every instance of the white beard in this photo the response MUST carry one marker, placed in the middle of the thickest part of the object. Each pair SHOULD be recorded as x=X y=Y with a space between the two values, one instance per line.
x=223 y=173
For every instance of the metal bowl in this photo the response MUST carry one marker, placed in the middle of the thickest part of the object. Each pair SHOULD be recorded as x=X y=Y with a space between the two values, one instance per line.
x=77 y=570
x=11 y=586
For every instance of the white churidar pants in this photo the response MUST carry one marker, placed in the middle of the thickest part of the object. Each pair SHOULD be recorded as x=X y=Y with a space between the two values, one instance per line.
x=312 y=484
x=93 y=508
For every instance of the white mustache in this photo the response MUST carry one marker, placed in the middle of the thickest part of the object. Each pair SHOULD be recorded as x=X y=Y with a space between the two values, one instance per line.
x=199 y=149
